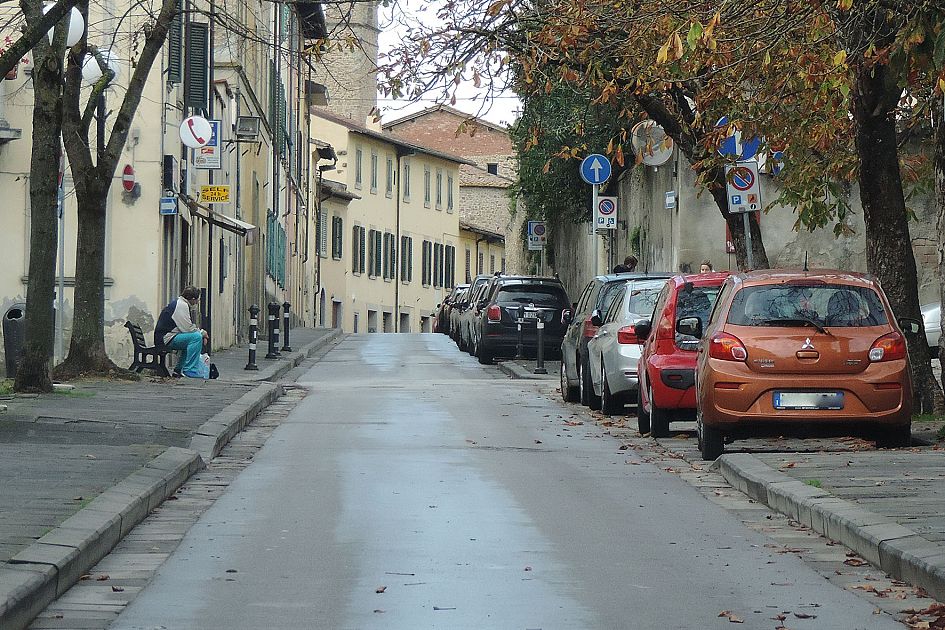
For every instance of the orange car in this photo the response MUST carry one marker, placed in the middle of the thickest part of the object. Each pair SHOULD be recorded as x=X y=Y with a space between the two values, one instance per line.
x=804 y=348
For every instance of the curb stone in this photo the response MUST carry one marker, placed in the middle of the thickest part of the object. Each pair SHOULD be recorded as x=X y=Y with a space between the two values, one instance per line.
x=46 y=569
x=514 y=370
x=881 y=541
x=293 y=359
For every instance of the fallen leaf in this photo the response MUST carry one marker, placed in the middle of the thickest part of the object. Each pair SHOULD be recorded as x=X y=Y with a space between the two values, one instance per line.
x=85 y=577
x=78 y=498
x=789 y=465
x=623 y=447
x=231 y=571
x=117 y=589
x=855 y=562
x=102 y=577
x=804 y=616
x=444 y=608
x=378 y=610
x=380 y=589
x=91 y=457
x=528 y=568
x=732 y=617
x=538 y=442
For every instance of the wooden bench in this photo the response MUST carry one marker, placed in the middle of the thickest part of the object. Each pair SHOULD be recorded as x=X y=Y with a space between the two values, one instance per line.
x=150 y=357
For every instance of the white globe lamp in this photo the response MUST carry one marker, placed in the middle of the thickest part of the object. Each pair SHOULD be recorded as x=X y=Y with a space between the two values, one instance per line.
x=76 y=26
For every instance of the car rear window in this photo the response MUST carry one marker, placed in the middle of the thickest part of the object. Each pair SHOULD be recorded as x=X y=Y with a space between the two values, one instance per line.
x=643 y=298
x=696 y=302
x=539 y=295
x=821 y=304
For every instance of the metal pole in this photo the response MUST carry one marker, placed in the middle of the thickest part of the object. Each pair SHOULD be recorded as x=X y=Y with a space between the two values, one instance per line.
x=519 y=351
x=285 y=327
x=273 y=331
x=540 y=368
x=750 y=257
x=61 y=283
x=594 y=226
x=253 y=337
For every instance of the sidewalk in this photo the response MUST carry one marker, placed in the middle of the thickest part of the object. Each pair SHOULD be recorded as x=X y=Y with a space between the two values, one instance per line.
x=525 y=369
x=81 y=467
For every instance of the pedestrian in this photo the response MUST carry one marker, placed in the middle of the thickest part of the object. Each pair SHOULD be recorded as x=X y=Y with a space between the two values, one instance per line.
x=629 y=265
x=176 y=330
x=706 y=266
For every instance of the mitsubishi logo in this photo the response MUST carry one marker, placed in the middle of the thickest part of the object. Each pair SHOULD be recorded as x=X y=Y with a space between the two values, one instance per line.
x=807 y=345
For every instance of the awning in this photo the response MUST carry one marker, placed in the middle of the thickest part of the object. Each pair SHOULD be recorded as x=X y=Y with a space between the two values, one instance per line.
x=242 y=228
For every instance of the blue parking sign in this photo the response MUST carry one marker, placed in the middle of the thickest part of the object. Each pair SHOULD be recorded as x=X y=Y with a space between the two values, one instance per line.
x=736 y=200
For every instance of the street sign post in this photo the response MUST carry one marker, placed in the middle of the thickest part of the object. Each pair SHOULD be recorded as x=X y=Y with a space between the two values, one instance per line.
x=743 y=190
x=595 y=170
x=210 y=155
x=537 y=235
x=606 y=218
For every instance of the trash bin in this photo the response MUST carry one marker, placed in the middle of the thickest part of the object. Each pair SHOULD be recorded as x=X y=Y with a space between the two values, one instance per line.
x=14 y=332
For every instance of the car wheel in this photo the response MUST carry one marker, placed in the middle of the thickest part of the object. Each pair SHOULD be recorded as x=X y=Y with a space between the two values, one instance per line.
x=894 y=437
x=588 y=397
x=711 y=443
x=484 y=356
x=568 y=393
x=659 y=418
x=611 y=405
x=643 y=418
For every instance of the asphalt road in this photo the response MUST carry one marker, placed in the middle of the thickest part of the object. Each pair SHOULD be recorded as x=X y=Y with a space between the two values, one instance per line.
x=469 y=502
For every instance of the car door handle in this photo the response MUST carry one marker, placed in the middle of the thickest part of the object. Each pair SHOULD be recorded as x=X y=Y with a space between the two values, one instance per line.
x=601 y=333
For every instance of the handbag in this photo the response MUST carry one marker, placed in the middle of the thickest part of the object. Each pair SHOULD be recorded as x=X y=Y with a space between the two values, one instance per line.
x=214 y=373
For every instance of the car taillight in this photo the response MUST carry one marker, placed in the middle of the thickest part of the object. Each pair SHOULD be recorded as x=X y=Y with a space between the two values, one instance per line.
x=589 y=328
x=888 y=348
x=627 y=335
x=727 y=347
x=494 y=313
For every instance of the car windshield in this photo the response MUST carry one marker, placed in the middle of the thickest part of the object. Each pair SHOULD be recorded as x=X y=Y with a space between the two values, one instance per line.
x=816 y=305
x=539 y=295
x=643 y=297
x=696 y=302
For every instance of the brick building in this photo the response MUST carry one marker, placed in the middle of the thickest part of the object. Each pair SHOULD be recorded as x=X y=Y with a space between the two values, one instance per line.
x=485 y=202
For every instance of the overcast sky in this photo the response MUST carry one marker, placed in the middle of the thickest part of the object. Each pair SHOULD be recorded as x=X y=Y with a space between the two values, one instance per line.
x=501 y=110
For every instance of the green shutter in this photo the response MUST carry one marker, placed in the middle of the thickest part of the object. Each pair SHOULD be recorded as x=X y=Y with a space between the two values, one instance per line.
x=175 y=48
x=197 y=72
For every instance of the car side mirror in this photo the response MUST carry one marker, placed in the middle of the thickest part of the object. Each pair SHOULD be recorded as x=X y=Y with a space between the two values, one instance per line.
x=567 y=316
x=910 y=326
x=691 y=326
x=642 y=329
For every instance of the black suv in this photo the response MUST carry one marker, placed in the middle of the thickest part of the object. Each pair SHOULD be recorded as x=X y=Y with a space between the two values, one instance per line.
x=541 y=299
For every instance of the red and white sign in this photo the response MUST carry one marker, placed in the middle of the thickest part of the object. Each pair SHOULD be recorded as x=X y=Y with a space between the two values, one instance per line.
x=195 y=131
x=128 y=178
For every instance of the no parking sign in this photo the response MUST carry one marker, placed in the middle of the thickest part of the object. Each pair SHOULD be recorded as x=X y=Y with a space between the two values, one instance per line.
x=606 y=217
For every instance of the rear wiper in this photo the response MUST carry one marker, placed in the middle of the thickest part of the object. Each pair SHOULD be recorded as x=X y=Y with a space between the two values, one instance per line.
x=797 y=320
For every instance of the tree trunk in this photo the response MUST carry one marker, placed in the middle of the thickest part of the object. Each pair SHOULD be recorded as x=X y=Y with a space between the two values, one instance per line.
x=87 y=347
x=33 y=374
x=889 y=254
x=736 y=227
x=939 y=169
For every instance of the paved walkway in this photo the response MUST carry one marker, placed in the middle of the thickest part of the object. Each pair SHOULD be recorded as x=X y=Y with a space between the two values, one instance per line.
x=60 y=452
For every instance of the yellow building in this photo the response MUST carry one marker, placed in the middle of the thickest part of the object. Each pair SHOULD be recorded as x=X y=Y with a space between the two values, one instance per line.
x=483 y=251
x=389 y=229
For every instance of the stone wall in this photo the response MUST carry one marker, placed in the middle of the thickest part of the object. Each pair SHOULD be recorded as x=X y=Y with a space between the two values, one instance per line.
x=351 y=75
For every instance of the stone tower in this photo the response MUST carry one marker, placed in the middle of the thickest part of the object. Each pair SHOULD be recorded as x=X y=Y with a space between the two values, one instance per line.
x=349 y=67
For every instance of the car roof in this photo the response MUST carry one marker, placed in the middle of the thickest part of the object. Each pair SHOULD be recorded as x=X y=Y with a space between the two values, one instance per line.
x=777 y=276
x=711 y=279
x=528 y=279
x=633 y=275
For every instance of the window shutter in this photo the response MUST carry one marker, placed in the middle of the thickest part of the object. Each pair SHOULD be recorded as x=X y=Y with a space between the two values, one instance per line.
x=196 y=81
x=410 y=260
x=361 y=252
x=175 y=50
x=323 y=234
x=377 y=253
x=387 y=260
x=354 y=249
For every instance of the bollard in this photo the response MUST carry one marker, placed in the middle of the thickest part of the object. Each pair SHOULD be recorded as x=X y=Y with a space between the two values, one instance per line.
x=253 y=337
x=540 y=368
x=273 y=331
x=285 y=327
x=519 y=352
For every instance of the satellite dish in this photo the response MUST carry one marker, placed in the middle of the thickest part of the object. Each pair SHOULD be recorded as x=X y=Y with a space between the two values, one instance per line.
x=650 y=143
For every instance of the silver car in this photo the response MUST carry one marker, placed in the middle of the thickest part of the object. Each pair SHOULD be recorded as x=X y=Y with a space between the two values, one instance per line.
x=614 y=352
x=932 y=318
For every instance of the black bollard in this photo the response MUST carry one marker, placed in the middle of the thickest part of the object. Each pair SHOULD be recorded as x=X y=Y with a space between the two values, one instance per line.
x=519 y=351
x=285 y=327
x=540 y=368
x=273 y=331
x=253 y=337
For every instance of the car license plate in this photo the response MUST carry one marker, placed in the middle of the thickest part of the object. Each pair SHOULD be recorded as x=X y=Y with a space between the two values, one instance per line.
x=808 y=400
x=531 y=314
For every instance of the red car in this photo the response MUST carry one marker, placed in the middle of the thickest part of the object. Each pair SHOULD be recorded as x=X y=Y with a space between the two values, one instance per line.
x=667 y=368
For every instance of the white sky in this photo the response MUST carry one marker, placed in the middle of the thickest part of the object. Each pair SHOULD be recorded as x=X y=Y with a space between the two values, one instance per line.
x=500 y=110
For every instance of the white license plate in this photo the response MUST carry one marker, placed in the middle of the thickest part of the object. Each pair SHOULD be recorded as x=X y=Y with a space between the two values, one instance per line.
x=808 y=400
x=531 y=315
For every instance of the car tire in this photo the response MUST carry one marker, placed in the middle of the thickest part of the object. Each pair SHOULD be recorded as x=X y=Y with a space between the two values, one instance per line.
x=711 y=442
x=611 y=405
x=588 y=397
x=894 y=437
x=568 y=393
x=659 y=418
x=484 y=356
x=643 y=418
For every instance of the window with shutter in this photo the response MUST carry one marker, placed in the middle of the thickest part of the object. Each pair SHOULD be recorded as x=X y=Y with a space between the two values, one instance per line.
x=355 y=241
x=426 y=251
x=337 y=231
x=426 y=187
x=410 y=260
x=439 y=189
x=378 y=254
x=449 y=193
x=322 y=234
x=175 y=48
x=386 y=256
x=197 y=66
x=468 y=265
x=371 y=254
x=361 y=252
x=389 y=183
x=437 y=265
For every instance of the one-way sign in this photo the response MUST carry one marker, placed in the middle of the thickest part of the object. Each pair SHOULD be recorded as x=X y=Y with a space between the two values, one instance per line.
x=595 y=169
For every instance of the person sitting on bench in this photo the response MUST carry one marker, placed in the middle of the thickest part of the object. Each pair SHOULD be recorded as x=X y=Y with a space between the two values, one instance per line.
x=177 y=331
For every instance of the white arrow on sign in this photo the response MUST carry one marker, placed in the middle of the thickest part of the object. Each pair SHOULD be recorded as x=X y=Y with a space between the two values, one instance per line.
x=596 y=166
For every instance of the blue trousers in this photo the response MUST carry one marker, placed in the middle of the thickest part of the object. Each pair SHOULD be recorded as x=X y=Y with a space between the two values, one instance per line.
x=189 y=345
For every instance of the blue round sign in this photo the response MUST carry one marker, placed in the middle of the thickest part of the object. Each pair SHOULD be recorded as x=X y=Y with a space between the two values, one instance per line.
x=595 y=169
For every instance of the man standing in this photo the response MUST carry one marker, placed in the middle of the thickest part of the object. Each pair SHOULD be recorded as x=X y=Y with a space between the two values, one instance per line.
x=629 y=265
x=176 y=330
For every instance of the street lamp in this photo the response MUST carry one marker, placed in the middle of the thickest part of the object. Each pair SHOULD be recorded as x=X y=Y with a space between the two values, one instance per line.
x=76 y=26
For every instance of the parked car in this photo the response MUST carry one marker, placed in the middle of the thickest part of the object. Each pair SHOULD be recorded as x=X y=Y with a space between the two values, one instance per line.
x=443 y=310
x=667 y=364
x=541 y=300
x=456 y=309
x=798 y=347
x=576 y=382
x=932 y=320
x=614 y=352
x=471 y=312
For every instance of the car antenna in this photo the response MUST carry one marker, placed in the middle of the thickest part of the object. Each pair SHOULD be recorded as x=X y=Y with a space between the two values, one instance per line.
x=805 y=262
